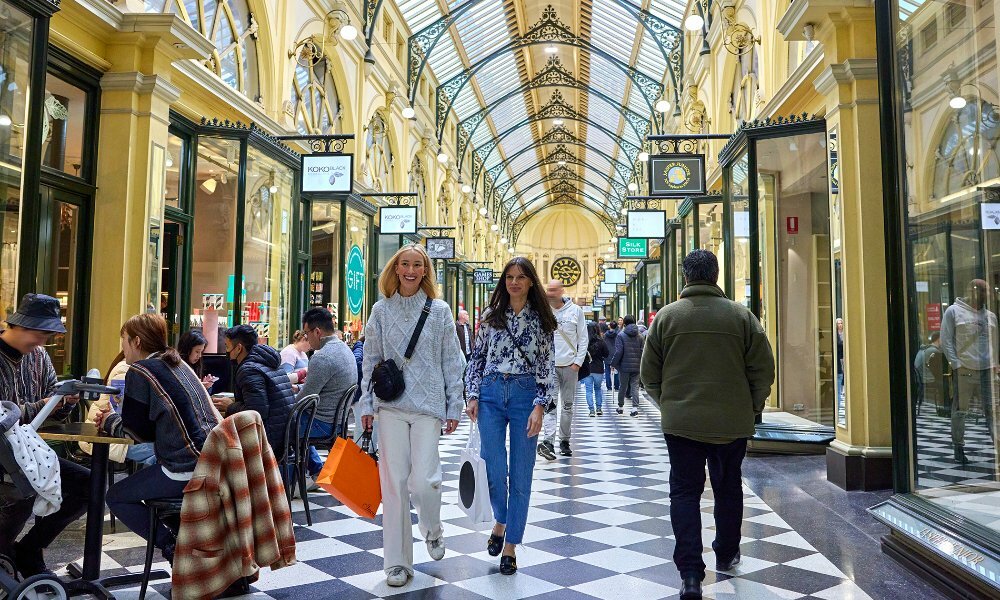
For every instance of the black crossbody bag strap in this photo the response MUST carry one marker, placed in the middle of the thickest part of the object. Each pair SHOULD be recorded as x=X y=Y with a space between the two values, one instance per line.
x=518 y=346
x=416 y=332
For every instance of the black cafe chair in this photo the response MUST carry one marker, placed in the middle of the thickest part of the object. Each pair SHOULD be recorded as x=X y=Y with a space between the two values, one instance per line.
x=296 y=452
x=168 y=512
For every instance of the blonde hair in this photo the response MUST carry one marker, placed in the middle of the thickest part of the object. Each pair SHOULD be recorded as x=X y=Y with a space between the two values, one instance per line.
x=298 y=336
x=388 y=281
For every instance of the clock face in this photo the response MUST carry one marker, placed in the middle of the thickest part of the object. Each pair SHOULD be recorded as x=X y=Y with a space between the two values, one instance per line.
x=566 y=270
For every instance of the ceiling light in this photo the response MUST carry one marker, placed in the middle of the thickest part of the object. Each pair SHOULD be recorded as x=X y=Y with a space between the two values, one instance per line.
x=624 y=212
x=561 y=163
x=551 y=49
x=273 y=189
x=607 y=257
x=442 y=158
x=662 y=105
x=348 y=32
x=958 y=103
x=354 y=228
x=466 y=188
x=5 y=121
x=495 y=227
x=557 y=122
x=503 y=240
x=694 y=23
x=644 y=156
x=483 y=211
x=209 y=185
x=633 y=187
x=409 y=113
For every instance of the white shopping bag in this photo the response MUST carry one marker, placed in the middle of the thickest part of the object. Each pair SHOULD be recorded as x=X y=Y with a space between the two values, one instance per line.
x=473 y=487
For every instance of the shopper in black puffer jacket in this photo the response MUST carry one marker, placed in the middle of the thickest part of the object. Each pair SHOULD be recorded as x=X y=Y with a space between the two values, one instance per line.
x=609 y=340
x=627 y=358
x=597 y=352
x=261 y=384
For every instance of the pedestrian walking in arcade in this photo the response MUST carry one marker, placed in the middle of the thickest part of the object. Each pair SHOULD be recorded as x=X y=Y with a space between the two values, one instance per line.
x=510 y=379
x=597 y=353
x=628 y=354
x=571 y=352
x=612 y=380
x=709 y=366
x=409 y=426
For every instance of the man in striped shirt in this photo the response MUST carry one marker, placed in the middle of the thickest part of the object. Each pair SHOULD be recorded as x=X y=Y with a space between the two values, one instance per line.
x=28 y=379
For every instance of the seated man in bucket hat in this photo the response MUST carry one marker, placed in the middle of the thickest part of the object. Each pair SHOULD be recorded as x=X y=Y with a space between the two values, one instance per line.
x=28 y=379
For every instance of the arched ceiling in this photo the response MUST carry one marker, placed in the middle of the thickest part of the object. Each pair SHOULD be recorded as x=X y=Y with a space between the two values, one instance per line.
x=553 y=98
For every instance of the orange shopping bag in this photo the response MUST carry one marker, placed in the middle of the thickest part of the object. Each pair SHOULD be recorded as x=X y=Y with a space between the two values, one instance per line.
x=350 y=475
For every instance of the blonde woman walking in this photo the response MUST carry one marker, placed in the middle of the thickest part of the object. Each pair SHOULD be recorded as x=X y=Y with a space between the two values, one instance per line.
x=409 y=426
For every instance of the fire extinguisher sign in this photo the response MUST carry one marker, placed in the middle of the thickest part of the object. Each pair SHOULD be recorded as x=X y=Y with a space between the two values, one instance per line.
x=792 y=225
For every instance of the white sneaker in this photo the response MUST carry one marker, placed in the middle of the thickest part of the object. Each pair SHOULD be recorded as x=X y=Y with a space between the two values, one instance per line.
x=436 y=548
x=397 y=577
x=311 y=485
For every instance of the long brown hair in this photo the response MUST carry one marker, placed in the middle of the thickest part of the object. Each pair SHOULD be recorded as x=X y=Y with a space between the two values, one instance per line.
x=500 y=301
x=151 y=330
x=388 y=281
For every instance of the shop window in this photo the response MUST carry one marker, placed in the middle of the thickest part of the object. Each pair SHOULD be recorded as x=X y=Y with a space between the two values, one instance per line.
x=967 y=152
x=929 y=35
x=324 y=280
x=213 y=263
x=378 y=165
x=231 y=26
x=315 y=104
x=65 y=111
x=355 y=268
x=16 y=32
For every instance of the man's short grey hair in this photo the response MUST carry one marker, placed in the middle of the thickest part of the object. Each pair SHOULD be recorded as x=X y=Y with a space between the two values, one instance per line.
x=701 y=265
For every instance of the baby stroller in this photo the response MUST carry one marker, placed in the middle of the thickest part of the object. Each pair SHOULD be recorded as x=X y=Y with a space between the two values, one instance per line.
x=15 y=488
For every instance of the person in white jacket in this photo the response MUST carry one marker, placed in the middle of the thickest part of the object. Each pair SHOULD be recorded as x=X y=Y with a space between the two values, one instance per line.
x=571 y=352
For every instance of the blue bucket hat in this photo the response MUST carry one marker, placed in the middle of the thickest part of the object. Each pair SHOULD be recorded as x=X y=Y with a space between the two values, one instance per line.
x=38 y=312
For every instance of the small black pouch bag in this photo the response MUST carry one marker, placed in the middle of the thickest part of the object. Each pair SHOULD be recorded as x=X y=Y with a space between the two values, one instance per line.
x=387 y=378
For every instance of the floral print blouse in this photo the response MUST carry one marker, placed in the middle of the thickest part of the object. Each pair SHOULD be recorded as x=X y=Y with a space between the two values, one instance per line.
x=495 y=352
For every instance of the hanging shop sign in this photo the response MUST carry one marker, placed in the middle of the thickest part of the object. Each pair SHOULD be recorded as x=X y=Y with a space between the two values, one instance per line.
x=648 y=224
x=990 y=212
x=567 y=270
x=677 y=175
x=609 y=288
x=355 y=280
x=441 y=247
x=397 y=219
x=616 y=275
x=482 y=276
x=632 y=248
x=329 y=173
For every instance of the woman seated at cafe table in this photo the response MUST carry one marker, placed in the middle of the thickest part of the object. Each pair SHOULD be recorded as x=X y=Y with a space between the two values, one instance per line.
x=167 y=405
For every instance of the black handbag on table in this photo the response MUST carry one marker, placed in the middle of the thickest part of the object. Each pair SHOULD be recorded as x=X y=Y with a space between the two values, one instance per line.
x=387 y=378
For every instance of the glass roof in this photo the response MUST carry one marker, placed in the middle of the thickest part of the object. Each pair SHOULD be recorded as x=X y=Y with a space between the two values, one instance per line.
x=611 y=39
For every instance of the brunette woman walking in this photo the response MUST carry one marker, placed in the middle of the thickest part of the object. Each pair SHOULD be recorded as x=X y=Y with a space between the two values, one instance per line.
x=409 y=426
x=510 y=380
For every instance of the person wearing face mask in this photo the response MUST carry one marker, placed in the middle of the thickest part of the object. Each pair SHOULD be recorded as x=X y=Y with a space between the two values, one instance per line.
x=260 y=384
x=409 y=426
x=165 y=404
x=970 y=342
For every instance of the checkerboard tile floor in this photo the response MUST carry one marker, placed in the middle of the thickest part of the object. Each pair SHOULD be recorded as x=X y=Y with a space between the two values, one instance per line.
x=973 y=489
x=599 y=527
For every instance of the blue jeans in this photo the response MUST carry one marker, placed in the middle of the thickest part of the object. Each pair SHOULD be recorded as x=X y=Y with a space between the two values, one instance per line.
x=607 y=378
x=125 y=501
x=592 y=383
x=320 y=429
x=507 y=401
x=142 y=454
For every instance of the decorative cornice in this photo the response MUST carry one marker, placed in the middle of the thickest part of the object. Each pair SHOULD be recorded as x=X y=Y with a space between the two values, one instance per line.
x=138 y=83
x=847 y=72
x=184 y=39
x=227 y=96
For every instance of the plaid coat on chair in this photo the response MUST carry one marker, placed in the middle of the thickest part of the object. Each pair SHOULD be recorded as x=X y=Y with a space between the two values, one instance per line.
x=235 y=517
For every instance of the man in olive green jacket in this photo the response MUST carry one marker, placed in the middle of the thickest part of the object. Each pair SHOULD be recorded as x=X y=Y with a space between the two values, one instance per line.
x=709 y=366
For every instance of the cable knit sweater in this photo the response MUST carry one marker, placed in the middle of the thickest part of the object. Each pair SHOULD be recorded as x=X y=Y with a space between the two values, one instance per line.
x=434 y=374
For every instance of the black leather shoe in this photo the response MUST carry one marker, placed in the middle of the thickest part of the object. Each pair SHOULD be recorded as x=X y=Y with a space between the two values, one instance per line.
x=960 y=456
x=495 y=545
x=691 y=588
x=564 y=448
x=508 y=566
x=729 y=564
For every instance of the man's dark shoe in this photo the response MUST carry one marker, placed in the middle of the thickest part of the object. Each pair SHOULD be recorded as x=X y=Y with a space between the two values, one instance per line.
x=621 y=411
x=960 y=456
x=564 y=448
x=728 y=565
x=29 y=561
x=545 y=451
x=600 y=413
x=691 y=588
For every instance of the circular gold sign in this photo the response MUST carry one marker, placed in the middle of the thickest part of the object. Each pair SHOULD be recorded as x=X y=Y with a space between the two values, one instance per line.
x=566 y=270
x=676 y=175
